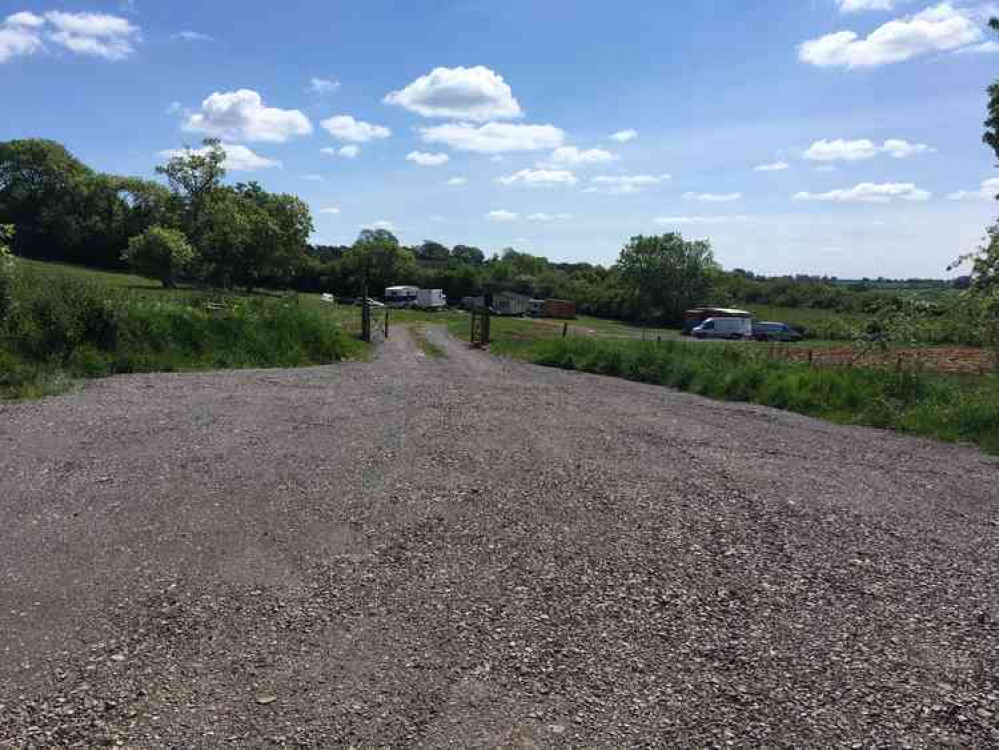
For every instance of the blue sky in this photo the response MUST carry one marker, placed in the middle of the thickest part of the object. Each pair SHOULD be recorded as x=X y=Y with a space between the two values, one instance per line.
x=822 y=136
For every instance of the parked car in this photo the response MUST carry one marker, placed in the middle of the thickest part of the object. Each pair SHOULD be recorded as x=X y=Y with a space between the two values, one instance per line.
x=724 y=328
x=768 y=331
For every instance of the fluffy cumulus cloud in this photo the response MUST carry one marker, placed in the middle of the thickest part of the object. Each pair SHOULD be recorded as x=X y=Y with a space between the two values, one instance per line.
x=571 y=156
x=478 y=94
x=621 y=184
x=323 y=86
x=693 y=220
x=541 y=178
x=330 y=211
x=346 y=128
x=855 y=6
x=712 y=197
x=623 y=136
x=548 y=217
x=502 y=215
x=94 y=34
x=869 y=192
x=243 y=115
x=238 y=158
x=938 y=29
x=427 y=160
x=987 y=191
x=455 y=181
x=862 y=149
x=777 y=166
x=494 y=137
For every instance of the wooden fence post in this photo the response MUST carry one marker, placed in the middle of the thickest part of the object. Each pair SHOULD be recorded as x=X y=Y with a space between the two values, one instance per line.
x=386 y=323
x=565 y=330
x=365 y=317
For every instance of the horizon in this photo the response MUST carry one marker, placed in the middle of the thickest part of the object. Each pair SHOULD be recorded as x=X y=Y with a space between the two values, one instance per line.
x=849 y=145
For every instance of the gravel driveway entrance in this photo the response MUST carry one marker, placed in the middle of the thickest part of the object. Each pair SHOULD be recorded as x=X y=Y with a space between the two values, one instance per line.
x=466 y=552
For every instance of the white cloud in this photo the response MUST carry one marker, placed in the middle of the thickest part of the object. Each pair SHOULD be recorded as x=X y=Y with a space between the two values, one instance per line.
x=985 y=48
x=862 y=149
x=494 y=137
x=502 y=215
x=242 y=115
x=938 y=29
x=96 y=34
x=238 y=158
x=712 y=197
x=540 y=178
x=688 y=220
x=868 y=192
x=777 y=166
x=623 y=136
x=427 y=160
x=192 y=36
x=330 y=211
x=477 y=94
x=623 y=184
x=25 y=19
x=855 y=6
x=457 y=181
x=346 y=128
x=347 y=152
x=388 y=226
x=571 y=156
x=19 y=38
x=986 y=192
x=323 y=86
x=549 y=217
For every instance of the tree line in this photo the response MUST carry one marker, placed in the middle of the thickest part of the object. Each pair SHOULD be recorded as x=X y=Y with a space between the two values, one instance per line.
x=192 y=227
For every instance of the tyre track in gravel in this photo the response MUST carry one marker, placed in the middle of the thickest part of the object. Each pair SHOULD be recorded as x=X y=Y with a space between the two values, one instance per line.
x=476 y=552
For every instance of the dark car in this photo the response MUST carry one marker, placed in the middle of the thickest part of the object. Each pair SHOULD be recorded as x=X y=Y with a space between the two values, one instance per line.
x=767 y=331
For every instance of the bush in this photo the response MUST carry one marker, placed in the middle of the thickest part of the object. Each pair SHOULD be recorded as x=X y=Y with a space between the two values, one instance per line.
x=160 y=253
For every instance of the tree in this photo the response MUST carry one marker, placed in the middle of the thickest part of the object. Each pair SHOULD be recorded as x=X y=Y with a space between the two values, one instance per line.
x=666 y=274
x=194 y=176
x=433 y=251
x=160 y=253
x=279 y=226
x=468 y=254
x=43 y=191
x=377 y=260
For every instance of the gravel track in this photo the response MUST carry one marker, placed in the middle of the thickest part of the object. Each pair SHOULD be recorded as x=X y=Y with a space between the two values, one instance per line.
x=469 y=552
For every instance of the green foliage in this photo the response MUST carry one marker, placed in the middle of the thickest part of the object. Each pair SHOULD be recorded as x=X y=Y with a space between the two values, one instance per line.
x=6 y=273
x=161 y=253
x=945 y=408
x=65 y=327
x=667 y=274
x=991 y=136
x=376 y=259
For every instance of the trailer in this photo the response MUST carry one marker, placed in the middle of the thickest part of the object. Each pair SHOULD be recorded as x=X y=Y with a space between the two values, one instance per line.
x=431 y=299
x=401 y=296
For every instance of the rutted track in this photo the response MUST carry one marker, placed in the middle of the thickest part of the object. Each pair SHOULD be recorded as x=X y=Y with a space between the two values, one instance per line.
x=470 y=552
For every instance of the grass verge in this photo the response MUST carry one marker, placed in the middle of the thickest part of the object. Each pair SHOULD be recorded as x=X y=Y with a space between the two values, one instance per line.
x=945 y=408
x=62 y=326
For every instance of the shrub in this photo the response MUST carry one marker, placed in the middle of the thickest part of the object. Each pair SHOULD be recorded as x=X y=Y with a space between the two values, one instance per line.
x=160 y=253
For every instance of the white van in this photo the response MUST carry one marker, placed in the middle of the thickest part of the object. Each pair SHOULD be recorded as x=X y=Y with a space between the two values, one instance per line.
x=724 y=328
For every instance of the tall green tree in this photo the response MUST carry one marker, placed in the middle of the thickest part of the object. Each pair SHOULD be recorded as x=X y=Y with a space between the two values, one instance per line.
x=377 y=260
x=666 y=275
x=194 y=177
x=43 y=192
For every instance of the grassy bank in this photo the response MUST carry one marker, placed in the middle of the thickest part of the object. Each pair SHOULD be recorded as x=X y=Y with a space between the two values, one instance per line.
x=950 y=409
x=64 y=325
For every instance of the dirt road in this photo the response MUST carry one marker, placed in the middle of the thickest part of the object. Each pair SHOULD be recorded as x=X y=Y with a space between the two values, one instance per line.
x=466 y=552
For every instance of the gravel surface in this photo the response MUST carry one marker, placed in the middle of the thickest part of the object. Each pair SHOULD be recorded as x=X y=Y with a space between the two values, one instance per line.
x=468 y=552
